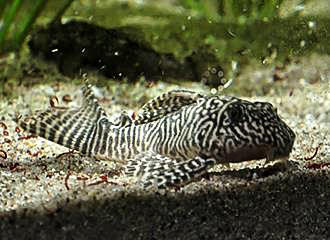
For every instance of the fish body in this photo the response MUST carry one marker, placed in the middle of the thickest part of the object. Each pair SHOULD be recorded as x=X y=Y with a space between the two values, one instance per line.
x=174 y=138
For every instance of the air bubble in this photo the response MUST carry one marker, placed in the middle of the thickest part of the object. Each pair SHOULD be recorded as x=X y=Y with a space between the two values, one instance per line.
x=213 y=91
x=311 y=24
x=302 y=43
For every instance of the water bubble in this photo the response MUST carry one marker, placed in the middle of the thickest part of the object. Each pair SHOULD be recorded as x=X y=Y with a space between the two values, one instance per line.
x=228 y=83
x=311 y=24
x=234 y=65
x=302 y=43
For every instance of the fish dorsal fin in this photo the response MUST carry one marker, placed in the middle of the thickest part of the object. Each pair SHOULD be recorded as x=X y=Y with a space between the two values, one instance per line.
x=91 y=103
x=164 y=104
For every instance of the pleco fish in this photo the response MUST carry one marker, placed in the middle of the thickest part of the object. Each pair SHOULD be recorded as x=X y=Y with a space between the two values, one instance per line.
x=174 y=138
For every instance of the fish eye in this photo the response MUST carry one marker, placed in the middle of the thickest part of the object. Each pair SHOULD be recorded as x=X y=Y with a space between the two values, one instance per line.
x=235 y=114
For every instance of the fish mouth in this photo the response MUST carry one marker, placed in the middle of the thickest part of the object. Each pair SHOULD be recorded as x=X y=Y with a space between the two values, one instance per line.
x=256 y=153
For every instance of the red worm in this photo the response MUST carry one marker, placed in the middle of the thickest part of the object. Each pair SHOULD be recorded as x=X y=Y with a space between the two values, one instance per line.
x=3 y=154
x=82 y=178
x=52 y=103
x=34 y=154
x=66 y=181
x=70 y=152
x=103 y=179
x=3 y=125
x=52 y=100
x=26 y=137
x=318 y=165
x=314 y=155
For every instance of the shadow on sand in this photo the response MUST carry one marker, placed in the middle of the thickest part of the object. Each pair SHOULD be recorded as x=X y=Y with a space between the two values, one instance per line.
x=295 y=206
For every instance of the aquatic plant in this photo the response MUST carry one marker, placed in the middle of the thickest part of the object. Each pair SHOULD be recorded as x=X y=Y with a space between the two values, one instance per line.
x=17 y=18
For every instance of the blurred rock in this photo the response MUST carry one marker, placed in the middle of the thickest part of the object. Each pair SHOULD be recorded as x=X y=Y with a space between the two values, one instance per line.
x=77 y=47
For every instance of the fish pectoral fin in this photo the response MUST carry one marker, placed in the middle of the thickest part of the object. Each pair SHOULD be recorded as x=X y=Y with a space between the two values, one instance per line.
x=148 y=162
x=157 y=171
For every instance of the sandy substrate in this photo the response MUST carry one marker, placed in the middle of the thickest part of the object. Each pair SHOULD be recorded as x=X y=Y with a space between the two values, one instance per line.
x=47 y=195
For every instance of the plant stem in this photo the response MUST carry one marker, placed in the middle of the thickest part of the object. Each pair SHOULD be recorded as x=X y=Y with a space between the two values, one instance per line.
x=27 y=23
x=2 y=6
x=61 y=11
x=9 y=16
